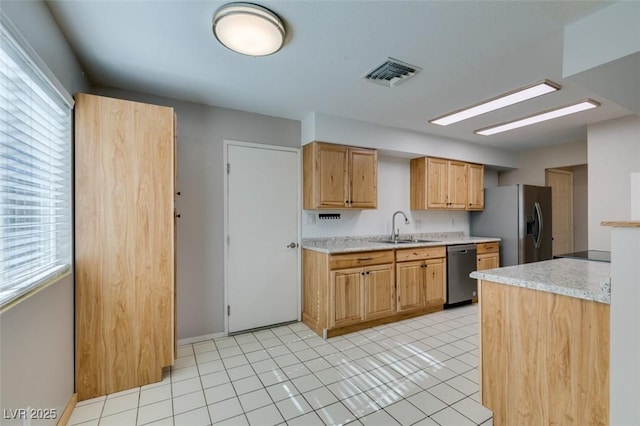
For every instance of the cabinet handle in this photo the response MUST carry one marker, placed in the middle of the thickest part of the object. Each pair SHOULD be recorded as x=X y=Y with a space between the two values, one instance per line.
x=178 y=193
x=365 y=258
x=361 y=273
x=368 y=272
x=178 y=215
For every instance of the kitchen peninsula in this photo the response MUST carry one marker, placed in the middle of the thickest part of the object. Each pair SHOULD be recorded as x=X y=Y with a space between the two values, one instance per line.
x=544 y=342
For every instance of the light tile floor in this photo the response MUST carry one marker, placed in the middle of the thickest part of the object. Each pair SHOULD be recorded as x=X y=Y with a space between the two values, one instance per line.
x=421 y=371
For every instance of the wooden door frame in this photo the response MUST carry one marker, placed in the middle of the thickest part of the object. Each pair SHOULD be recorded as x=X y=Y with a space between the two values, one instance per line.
x=546 y=181
x=225 y=159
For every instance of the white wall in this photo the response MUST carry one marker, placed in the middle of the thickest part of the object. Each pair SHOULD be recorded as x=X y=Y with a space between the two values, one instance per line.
x=531 y=170
x=36 y=335
x=532 y=164
x=400 y=142
x=393 y=194
x=200 y=253
x=614 y=154
x=580 y=208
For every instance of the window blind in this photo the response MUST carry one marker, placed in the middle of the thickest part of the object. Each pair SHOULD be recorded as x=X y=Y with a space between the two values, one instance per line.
x=35 y=174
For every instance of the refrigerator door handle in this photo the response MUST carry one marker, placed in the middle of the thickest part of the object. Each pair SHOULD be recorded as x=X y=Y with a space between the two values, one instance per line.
x=538 y=217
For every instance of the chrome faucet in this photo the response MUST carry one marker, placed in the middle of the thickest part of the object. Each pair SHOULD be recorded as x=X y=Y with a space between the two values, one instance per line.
x=394 y=233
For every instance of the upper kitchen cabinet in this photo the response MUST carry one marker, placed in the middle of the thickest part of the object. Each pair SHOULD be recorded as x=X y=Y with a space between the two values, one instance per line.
x=475 y=194
x=339 y=177
x=441 y=184
x=124 y=244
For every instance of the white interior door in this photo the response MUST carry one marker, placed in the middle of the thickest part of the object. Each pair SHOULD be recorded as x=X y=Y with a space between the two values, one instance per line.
x=262 y=279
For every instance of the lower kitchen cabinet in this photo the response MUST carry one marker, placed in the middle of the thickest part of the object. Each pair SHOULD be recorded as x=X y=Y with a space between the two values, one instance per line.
x=435 y=282
x=488 y=256
x=410 y=285
x=420 y=278
x=379 y=292
x=348 y=292
x=361 y=294
x=345 y=292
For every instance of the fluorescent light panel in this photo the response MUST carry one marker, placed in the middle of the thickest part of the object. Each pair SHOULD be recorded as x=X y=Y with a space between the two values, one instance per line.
x=544 y=116
x=498 y=102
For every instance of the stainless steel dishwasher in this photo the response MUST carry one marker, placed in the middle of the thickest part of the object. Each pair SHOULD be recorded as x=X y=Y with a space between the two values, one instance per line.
x=461 y=261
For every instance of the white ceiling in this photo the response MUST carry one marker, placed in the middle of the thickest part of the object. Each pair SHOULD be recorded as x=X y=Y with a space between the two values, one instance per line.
x=468 y=52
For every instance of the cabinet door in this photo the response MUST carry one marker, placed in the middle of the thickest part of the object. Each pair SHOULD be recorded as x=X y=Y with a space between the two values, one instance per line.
x=346 y=297
x=124 y=246
x=379 y=292
x=410 y=286
x=435 y=282
x=457 y=185
x=475 y=179
x=331 y=176
x=363 y=177
x=437 y=183
x=488 y=261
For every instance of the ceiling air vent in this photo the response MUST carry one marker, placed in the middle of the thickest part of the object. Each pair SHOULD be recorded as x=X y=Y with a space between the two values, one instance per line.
x=392 y=72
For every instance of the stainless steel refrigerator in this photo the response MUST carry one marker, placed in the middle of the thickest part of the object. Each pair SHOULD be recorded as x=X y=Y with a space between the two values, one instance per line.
x=521 y=216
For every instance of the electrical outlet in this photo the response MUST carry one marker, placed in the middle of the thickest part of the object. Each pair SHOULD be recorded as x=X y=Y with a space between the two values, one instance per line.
x=453 y=222
x=418 y=224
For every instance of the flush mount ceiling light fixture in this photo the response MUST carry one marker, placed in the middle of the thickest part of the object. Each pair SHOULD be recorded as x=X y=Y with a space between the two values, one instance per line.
x=501 y=101
x=540 y=117
x=249 y=29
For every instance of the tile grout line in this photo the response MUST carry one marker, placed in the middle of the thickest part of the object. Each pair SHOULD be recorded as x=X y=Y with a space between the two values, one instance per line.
x=397 y=337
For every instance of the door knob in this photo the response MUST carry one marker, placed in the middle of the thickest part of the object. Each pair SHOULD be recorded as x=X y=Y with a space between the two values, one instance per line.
x=292 y=245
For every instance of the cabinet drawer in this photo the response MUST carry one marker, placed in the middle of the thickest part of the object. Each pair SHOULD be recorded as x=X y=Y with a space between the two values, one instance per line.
x=419 y=253
x=493 y=247
x=352 y=260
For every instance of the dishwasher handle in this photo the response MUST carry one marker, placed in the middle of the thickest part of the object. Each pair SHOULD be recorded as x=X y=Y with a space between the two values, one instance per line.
x=461 y=248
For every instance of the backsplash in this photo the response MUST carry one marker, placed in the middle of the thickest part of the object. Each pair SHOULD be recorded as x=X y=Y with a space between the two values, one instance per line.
x=378 y=222
x=393 y=195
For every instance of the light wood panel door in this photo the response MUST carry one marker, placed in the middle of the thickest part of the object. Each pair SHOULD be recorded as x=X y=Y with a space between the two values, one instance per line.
x=561 y=183
x=437 y=183
x=475 y=186
x=457 y=185
x=410 y=286
x=124 y=244
x=347 y=307
x=435 y=282
x=379 y=292
x=488 y=261
x=332 y=166
x=363 y=178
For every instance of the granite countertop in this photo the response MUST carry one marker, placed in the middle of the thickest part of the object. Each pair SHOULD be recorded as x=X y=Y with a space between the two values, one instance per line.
x=582 y=279
x=370 y=243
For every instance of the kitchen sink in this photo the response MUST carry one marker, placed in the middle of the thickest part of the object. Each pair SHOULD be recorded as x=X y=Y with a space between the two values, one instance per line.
x=403 y=241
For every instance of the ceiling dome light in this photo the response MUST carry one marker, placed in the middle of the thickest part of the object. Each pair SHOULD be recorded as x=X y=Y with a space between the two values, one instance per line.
x=249 y=29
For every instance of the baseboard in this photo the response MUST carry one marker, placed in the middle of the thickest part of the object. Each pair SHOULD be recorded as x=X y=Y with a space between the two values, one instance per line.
x=68 y=410
x=197 y=339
